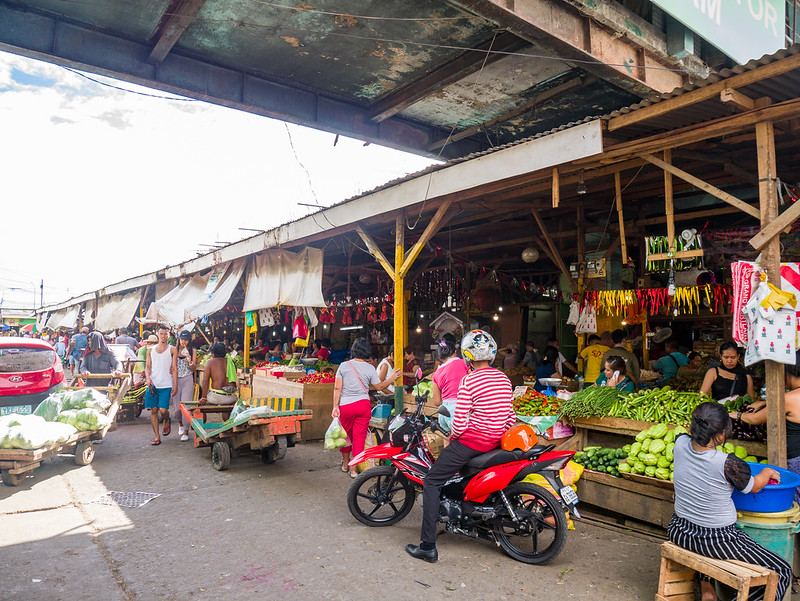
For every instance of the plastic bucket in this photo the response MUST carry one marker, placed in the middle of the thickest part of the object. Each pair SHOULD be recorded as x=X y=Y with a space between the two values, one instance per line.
x=778 y=517
x=773 y=497
x=778 y=538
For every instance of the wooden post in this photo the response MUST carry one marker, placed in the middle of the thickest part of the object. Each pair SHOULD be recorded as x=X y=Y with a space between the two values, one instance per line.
x=399 y=308
x=771 y=262
x=247 y=333
x=581 y=260
x=623 y=243
x=669 y=209
x=556 y=188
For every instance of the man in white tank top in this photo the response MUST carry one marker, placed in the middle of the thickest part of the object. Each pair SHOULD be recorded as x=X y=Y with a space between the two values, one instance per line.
x=161 y=375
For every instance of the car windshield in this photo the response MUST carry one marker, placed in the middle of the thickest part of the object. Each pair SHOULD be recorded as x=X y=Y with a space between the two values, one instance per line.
x=22 y=359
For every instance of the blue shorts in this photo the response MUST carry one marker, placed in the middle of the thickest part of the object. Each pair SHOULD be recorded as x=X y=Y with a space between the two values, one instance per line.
x=160 y=399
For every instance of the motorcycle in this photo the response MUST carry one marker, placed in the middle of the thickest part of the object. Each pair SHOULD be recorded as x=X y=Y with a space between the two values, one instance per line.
x=486 y=499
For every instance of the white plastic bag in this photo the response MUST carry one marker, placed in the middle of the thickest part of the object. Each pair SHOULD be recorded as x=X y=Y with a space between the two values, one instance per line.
x=335 y=436
x=587 y=321
x=574 y=313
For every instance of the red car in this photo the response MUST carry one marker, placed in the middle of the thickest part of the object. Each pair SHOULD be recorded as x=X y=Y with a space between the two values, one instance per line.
x=29 y=371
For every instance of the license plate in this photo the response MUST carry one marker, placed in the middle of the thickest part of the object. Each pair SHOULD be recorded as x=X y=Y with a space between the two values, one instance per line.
x=569 y=496
x=20 y=409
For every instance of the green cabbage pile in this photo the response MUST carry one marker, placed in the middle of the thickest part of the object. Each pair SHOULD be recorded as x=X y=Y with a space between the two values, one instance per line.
x=84 y=419
x=31 y=432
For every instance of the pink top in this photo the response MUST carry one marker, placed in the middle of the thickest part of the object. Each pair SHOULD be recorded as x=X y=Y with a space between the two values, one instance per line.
x=448 y=377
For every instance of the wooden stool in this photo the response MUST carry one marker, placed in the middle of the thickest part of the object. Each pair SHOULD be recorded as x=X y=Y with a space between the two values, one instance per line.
x=678 y=568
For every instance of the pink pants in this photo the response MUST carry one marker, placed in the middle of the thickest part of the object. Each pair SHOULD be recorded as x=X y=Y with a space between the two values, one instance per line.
x=354 y=418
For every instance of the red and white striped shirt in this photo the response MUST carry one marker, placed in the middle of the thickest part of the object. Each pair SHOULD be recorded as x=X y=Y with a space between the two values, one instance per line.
x=484 y=410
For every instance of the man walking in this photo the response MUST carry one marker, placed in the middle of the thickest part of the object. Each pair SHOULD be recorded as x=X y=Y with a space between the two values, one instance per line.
x=76 y=350
x=161 y=375
x=125 y=338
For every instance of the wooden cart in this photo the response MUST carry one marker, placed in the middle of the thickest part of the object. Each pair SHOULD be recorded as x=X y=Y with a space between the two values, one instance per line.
x=268 y=435
x=16 y=463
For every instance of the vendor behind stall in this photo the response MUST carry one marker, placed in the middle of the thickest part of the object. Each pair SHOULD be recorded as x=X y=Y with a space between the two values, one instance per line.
x=694 y=369
x=100 y=360
x=670 y=363
x=217 y=388
x=730 y=378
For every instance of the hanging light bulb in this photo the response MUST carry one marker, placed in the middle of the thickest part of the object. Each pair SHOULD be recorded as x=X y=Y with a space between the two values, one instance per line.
x=419 y=330
x=581 y=189
x=496 y=317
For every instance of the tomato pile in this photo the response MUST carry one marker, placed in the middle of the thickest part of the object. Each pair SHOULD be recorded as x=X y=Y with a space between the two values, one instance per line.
x=536 y=403
x=268 y=364
x=317 y=378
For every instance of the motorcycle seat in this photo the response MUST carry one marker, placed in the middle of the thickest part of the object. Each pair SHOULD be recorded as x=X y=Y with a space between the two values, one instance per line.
x=498 y=456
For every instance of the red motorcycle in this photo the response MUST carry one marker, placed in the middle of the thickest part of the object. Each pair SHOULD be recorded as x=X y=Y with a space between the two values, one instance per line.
x=486 y=500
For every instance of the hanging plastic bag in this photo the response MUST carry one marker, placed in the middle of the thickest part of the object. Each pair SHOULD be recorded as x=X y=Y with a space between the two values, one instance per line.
x=574 y=313
x=370 y=441
x=335 y=436
x=587 y=321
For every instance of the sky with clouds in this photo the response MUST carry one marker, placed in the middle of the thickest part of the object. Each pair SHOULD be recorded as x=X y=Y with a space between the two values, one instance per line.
x=100 y=184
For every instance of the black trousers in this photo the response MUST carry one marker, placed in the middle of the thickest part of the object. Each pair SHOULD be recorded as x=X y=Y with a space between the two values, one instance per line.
x=453 y=458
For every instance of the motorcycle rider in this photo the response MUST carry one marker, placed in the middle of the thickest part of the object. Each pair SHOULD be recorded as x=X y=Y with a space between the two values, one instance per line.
x=483 y=413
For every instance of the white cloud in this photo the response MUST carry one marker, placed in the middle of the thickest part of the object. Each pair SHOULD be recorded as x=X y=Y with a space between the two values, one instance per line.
x=99 y=184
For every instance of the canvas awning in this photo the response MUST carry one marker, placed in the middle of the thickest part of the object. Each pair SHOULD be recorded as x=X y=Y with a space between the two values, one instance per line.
x=65 y=318
x=198 y=296
x=116 y=311
x=283 y=278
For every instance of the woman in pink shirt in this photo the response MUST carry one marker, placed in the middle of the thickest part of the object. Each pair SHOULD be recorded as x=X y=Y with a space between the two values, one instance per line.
x=447 y=378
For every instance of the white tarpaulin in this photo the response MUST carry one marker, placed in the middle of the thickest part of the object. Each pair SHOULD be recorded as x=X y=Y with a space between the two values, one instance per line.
x=280 y=278
x=190 y=299
x=41 y=320
x=116 y=311
x=65 y=318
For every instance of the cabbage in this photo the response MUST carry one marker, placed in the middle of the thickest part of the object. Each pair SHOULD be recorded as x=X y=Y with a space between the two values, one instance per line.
x=4 y=437
x=16 y=419
x=49 y=408
x=87 y=398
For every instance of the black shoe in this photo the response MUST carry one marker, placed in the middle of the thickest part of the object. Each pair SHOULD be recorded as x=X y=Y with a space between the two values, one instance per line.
x=431 y=556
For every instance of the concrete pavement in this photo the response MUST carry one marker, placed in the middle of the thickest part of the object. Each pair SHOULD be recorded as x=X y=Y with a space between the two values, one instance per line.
x=279 y=531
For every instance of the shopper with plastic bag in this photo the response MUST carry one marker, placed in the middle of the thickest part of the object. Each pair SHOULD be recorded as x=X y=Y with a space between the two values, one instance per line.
x=351 y=404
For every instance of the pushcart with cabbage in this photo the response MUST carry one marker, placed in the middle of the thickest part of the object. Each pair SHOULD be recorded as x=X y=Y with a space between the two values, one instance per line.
x=65 y=423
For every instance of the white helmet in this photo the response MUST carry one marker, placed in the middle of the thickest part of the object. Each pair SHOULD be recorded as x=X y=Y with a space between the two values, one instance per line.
x=478 y=345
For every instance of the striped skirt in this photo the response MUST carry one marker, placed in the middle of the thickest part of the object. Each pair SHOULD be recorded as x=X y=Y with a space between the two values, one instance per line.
x=730 y=543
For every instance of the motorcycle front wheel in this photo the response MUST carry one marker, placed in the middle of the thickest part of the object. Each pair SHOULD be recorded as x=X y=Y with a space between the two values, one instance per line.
x=541 y=531
x=380 y=496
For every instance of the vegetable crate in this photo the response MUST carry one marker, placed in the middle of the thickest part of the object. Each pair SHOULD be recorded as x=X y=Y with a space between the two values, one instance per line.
x=16 y=463
x=268 y=435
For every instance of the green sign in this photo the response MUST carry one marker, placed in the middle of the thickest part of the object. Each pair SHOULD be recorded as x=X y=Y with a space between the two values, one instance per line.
x=742 y=29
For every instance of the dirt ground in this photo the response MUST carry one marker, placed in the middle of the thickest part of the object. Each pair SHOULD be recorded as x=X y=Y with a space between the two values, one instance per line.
x=279 y=531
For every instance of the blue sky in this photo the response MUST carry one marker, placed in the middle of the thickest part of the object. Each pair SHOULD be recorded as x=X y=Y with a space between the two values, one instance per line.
x=100 y=184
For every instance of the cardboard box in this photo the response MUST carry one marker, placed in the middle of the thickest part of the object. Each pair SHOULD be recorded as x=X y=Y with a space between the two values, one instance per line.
x=317 y=397
x=410 y=405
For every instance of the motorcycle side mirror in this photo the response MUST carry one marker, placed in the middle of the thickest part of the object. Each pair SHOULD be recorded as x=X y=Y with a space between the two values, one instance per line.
x=443 y=411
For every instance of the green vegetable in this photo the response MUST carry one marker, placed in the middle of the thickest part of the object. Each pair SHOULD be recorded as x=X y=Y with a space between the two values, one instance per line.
x=751 y=459
x=729 y=448
x=641 y=436
x=668 y=451
x=658 y=431
x=635 y=448
x=650 y=470
x=669 y=436
x=763 y=461
x=627 y=448
x=639 y=467
x=649 y=459
x=663 y=462
x=657 y=446
x=646 y=444
x=49 y=408
x=662 y=473
x=740 y=452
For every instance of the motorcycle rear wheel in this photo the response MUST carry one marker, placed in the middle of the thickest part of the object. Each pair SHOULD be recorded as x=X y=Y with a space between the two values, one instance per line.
x=380 y=496
x=541 y=532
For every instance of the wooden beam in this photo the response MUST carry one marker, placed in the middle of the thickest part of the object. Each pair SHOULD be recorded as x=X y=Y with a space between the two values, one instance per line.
x=789 y=109
x=470 y=61
x=771 y=262
x=432 y=228
x=376 y=252
x=668 y=199
x=618 y=194
x=775 y=227
x=554 y=254
x=551 y=94
x=658 y=109
x=697 y=182
x=556 y=188
x=736 y=99
x=180 y=15
x=400 y=325
x=681 y=254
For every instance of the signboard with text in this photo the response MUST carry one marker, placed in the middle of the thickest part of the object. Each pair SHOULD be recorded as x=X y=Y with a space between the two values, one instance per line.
x=742 y=29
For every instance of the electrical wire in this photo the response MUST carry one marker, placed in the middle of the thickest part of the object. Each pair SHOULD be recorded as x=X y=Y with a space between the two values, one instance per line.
x=108 y=85
x=613 y=206
x=306 y=9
